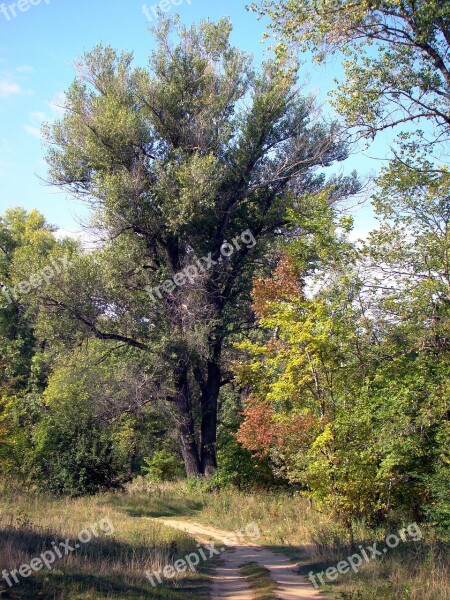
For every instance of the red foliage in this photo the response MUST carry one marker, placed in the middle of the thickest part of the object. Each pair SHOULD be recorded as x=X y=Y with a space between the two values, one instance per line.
x=284 y=285
x=300 y=430
x=258 y=430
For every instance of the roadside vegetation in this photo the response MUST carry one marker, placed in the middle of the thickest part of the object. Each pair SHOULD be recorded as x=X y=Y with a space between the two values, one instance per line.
x=291 y=525
x=115 y=565
x=109 y=566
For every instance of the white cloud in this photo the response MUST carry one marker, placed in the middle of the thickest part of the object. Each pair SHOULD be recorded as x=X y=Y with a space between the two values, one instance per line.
x=34 y=131
x=89 y=239
x=360 y=234
x=38 y=116
x=24 y=69
x=9 y=88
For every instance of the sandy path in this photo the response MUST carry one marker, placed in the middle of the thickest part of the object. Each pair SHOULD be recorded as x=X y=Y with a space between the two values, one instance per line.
x=227 y=580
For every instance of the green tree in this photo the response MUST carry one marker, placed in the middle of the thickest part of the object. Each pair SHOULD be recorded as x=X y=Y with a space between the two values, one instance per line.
x=177 y=162
x=350 y=382
x=90 y=436
x=27 y=245
x=410 y=255
x=397 y=67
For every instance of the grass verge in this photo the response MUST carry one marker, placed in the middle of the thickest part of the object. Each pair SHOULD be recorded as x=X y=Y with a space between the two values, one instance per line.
x=290 y=525
x=114 y=566
x=259 y=579
x=108 y=566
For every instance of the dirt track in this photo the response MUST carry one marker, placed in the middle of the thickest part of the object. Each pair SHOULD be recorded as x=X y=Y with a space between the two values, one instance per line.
x=227 y=580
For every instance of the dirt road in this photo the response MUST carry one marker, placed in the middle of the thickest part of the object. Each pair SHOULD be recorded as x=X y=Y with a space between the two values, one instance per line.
x=227 y=580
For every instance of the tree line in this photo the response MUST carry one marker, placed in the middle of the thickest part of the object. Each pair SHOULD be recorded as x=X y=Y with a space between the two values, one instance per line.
x=303 y=359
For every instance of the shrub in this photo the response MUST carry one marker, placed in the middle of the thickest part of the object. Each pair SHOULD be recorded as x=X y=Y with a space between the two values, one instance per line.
x=163 y=466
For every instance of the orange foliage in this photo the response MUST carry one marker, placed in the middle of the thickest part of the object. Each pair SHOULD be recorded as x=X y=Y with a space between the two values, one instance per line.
x=258 y=430
x=300 y=430
x=283 y=285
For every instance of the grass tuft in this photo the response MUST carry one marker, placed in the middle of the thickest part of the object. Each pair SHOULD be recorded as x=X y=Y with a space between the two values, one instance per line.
x=259 y=579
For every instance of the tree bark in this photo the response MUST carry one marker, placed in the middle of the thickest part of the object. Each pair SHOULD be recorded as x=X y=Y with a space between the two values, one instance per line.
x=209 y=380
x=209 y=402
x=186 y=426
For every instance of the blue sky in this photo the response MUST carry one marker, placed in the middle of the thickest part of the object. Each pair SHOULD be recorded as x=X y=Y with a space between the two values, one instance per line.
x=38 y=49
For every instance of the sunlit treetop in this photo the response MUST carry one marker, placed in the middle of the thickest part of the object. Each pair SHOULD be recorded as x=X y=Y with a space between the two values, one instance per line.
x=397 y=56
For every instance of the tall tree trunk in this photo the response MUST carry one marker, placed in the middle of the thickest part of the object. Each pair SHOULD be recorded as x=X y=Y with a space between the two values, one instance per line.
x=186 y=426
x=209 y=401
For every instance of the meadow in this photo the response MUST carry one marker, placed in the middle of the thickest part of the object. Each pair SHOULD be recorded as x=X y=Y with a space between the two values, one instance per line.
x=110 y=566
x=113 y=566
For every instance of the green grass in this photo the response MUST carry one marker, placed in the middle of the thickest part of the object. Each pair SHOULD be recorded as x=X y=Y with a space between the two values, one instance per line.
x=290 y=525
x=113 y=567
x=107 y=567
x=259 y=579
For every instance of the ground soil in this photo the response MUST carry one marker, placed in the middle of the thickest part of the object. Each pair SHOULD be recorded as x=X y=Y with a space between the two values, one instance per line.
x=227 y=580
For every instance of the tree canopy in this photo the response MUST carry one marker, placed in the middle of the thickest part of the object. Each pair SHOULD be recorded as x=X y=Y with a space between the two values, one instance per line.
x=198 y=158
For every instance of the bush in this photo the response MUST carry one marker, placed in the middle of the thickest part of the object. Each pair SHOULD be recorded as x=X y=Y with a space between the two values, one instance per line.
x=76 y=458
x=237 y=467
x=163 y=466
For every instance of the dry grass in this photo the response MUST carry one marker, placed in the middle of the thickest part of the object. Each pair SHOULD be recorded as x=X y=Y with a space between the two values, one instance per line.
x=413 y=571
x=410 y=573
x=106 y=567
x=113 y=567
x=259 y=579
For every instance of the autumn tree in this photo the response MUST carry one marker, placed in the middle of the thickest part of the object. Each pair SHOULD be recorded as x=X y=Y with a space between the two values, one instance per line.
x=177 y=161
x=349 y=372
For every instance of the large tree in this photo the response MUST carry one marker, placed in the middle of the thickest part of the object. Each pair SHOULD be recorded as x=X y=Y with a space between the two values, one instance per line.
x=396 y=57
x=177 y=161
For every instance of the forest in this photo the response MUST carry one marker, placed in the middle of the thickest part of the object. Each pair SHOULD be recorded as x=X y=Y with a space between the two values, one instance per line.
x=226 y=348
